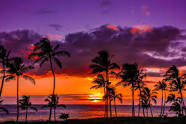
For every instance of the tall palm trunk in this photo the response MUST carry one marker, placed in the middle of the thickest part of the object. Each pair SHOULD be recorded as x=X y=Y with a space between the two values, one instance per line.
x=164 y=102
x=107 y=99
x=26 y=115
x=143 y=111
x=183 y=104
x=133 y=111
x=139 y=105
x=54 y=84
x=2 y=83
x=55 y=114
x=115 y=108
x=50 y=114
x=17 y=98
x=161 y=103
x=151 y=111
x=110 y=108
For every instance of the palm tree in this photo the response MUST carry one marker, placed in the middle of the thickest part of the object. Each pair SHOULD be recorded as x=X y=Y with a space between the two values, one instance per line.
x=176 y=82
x=115 y=96
x=4 y=58
x=148 y=96
x=161 y=85
x=25 y=104
x=129 y=76
x=53 y=102
x=176 y=104
x=102 y=64
x=17 y=68
x=2 y=108
x=45 y=52
x=140 y=85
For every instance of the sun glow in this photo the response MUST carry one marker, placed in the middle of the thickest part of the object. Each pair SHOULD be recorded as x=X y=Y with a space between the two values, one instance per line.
x=95 y=98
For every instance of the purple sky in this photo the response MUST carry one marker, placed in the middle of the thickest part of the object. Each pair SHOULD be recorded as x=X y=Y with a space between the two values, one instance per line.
x=82 y=24
x=64 y=16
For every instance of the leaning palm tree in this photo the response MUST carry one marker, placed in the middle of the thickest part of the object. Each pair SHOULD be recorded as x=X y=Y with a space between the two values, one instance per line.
x=177 y=83
x=45 y=52
x=53 y=102
x=2 y=108
x=161 y=85
x=4 y=58
x=129 y=76
x=17 y=69
x=102 y=64
x=148 y=96
x=25 y=104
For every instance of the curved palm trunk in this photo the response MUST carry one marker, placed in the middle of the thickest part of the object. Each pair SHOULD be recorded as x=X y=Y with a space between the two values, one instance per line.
x=133 y=109
x=17 y=99
x=2 y=83
x=115 y=107
x=26 y=115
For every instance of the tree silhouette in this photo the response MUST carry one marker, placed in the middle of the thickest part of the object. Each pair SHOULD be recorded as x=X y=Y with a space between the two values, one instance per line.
x=147 y=97
x=2 y=108
x=129 y=77
x=25 y=104
x=176 y=104
x=176 y=83
x=103 y=64
x=115 y=96
x=161 y=85
x=4 y=59
x=17 y=69
x=53 y=102
x=45 y=52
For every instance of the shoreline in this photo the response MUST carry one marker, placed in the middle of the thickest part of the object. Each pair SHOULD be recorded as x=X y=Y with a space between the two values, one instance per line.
x=119 y=120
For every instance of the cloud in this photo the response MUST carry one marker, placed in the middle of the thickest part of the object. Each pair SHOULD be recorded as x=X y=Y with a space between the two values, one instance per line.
x=57 y=27
x=159 y=47
x=45 y=11
x=146 y=10
x=105 y=3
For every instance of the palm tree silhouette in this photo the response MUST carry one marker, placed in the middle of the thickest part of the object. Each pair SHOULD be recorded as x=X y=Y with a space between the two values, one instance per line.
x=176 y=83
x=46 y=52
x=161 y=85
x=17 y=68
x=147 y=97
x=103 y=64
x=4 y=58
x=25 y=104
x=115 y=96
x=2 y=108
x=129 y=76
x=53 y=102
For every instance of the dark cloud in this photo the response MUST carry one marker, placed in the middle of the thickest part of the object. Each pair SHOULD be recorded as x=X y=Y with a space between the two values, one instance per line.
x=57 y=27
x=45 y=11
x=149 y=49
x=105 y=3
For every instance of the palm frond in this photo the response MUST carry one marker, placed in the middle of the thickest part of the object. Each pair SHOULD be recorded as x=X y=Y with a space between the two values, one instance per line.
x=26 y=77
x=58 y=63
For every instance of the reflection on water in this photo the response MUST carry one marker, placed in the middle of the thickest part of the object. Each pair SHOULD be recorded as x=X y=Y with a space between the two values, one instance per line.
x=75 y=111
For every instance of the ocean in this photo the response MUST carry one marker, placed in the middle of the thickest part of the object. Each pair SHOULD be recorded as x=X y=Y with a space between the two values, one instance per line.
x=75 y=112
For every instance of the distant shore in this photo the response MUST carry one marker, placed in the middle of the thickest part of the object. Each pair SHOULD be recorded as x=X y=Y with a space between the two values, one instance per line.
x=119 y=120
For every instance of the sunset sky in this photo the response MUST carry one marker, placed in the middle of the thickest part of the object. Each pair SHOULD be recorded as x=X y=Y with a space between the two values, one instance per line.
x=151 y=33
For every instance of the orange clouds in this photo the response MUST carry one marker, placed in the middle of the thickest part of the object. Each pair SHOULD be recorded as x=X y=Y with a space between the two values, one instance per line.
x=140 y=29
x=112 y=27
